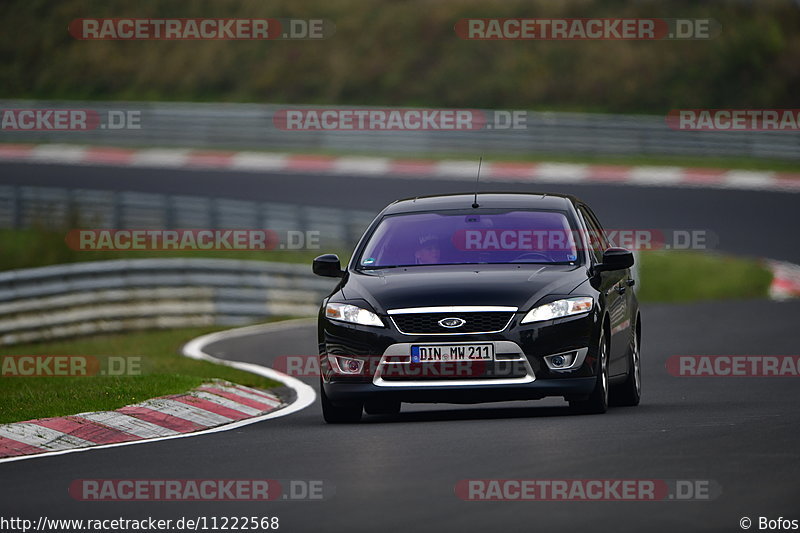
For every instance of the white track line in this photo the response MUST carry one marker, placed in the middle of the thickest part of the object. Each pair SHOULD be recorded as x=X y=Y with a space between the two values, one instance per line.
x=194 y=350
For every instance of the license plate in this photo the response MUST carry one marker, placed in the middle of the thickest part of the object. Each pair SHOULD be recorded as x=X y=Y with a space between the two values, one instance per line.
x=452 y=352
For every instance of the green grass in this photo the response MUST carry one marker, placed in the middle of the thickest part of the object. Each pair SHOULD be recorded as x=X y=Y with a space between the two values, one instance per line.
x=684 y=276
x=163 y=371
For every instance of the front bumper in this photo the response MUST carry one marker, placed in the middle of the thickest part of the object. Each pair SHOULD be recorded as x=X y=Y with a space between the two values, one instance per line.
x=342 y=392
x=518 y=373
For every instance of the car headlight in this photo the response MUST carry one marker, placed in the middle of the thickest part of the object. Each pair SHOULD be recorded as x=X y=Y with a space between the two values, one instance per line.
x=558 y=309
x=352 y=314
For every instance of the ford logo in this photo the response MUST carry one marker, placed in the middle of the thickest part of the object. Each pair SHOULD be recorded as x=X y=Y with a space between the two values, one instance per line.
x=452 y=322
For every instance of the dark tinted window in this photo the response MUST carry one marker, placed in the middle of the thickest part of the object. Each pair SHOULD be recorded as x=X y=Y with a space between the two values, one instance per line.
x=467 y=238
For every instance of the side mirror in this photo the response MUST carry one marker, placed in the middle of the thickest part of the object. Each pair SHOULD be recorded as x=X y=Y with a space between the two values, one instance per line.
x=615 y=259
x=328 y=265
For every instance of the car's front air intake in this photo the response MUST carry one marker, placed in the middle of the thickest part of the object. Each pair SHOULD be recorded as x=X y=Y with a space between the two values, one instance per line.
x=451 y=321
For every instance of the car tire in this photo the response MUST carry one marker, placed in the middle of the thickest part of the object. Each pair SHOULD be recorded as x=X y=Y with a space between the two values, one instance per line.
x=382 y=407
x=347 y=413
x=629 y=394
x=597 y=402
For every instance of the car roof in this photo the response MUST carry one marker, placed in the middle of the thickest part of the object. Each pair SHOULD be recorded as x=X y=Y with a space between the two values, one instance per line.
x=486 y=200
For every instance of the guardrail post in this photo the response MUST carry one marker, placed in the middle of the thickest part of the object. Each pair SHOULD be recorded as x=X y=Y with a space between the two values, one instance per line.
x=262 y=216
x=72 y=214
x=17 y=207
x=302 y=219
x=116 y=210
x=170 y=214
x=350 y=233
x=213 y=213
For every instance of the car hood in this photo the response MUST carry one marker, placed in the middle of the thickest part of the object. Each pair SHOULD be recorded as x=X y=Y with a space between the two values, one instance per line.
x=518 y=286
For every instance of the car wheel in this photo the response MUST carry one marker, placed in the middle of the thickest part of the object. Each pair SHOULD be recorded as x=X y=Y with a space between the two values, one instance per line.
x=382 y=407
x=597 y=402
x=339 y=413
x=630 y=392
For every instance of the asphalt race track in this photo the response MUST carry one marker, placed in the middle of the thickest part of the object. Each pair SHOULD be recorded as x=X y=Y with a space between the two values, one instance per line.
x=399 y=473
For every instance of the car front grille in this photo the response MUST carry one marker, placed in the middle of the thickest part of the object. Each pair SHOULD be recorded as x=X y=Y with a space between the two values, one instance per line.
x=474 y=322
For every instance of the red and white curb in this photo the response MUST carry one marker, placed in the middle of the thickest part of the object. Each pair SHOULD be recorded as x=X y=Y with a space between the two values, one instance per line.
x=557 y=173
x=213 y=407
x=208 y=406
x=785 y=280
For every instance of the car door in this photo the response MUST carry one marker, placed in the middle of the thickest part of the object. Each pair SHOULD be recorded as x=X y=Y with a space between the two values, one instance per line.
x=614 y=285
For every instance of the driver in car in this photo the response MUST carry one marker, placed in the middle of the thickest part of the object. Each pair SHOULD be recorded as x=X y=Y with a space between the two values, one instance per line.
x=428 y=252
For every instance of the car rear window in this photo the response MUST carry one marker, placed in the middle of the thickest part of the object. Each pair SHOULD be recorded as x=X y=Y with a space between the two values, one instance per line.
x=521 y=236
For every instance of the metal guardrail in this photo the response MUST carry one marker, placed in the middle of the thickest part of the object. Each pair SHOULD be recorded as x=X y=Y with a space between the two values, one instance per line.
x=110 y=296
x=120 y=295
x=24 y=206
x=250 y=126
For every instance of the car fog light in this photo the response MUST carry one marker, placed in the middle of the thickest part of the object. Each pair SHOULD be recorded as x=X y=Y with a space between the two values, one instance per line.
x=347 y=365
x=562 y=361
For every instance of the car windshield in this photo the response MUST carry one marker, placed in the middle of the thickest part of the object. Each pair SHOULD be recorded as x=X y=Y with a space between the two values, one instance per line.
x=470 y=238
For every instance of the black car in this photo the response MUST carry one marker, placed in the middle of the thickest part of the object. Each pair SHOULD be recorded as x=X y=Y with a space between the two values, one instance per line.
x=466 y=299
